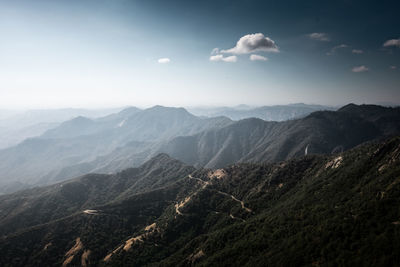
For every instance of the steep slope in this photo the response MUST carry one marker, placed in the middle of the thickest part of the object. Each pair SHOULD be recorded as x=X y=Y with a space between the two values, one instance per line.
x=40 y=205
x=254 y=140
x=82 y=140
x=317 y=210
x=212 y=143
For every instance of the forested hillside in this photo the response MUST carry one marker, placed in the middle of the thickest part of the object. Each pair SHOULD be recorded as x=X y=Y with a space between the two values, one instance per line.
x=340 y=209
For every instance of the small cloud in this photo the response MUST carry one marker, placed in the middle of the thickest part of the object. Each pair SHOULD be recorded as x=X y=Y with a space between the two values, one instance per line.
x=220 y=57
x=164 y=60
x=333 y=50
x=215 y=51
x=393 y=67
x=258 y=58
x=319 y=36
x=360 y=69
x=230 y=59
x=392 y=42
x=357 y=51
x=216 y=58
x=252 y=43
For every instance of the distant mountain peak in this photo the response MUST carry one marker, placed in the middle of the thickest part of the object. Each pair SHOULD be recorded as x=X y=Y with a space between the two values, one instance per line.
x=129 y=111
x=163 y=108
x=77 y=121
x=165 y=111
x=362 y=108
x=348 y=107
x=80 y=118
x=162 y=156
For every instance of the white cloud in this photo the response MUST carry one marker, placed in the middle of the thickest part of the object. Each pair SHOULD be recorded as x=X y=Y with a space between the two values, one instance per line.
x=230 y=59
x=319 y=36
x=333 y=50
x=393 y=67
x=252 y=43
x=360 y=69
x=220 y=57
x=215 y=51
x=164 y=60
x=258 y=57
x=216 y=58
x=357 y=51
x=392 y=42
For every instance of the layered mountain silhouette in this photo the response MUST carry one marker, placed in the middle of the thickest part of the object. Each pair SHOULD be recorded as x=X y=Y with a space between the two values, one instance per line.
x=83 y=140
x=313 y=210
x=267 y=113
x=16 y=126
x=133 y=136
x=255 y=140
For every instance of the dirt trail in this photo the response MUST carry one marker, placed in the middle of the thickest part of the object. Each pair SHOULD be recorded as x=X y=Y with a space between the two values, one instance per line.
x=126 y=246
x=187 y=199
x=237 y=200
x=236 y=218
x=182 y=204
x=205 y=184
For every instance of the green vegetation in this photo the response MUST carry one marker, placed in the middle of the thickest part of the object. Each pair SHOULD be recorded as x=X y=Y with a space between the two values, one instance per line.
x=333 y=210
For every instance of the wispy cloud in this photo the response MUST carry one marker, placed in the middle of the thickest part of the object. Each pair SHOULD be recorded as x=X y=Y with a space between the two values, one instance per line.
x=357 y=51
x=251 y=43
x=392 y=42
x=335 y=48
x=258 y=58
x=164 y=60
x=393 y=67
x=230 y=59
x=215 y=51
x=360 y=69
x=319 y=36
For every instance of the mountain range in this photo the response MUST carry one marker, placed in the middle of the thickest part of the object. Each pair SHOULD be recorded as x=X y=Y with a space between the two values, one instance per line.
x=82 y=139
x=339 y=209
x=133 y=136
x=267 y=113
x=16 y=126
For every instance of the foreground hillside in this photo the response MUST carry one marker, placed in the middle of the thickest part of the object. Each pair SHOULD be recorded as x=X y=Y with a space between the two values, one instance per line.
x=317 y=210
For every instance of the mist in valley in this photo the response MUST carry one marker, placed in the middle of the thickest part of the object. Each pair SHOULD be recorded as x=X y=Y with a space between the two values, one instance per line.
x=211 y=133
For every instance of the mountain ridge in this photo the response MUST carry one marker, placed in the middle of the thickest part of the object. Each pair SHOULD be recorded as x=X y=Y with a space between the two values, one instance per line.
x=211 y=143
x=249 y=207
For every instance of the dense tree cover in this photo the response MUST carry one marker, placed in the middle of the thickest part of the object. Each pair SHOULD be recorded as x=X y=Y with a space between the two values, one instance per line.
x=333 y=210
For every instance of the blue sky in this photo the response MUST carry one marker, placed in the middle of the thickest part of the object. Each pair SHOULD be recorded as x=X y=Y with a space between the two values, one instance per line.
x=102 y=53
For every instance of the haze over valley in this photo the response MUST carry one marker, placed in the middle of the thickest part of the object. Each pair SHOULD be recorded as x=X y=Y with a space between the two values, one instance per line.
x=208 y=133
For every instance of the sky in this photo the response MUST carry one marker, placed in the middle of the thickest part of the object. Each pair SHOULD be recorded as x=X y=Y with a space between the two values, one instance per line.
x=108 y=53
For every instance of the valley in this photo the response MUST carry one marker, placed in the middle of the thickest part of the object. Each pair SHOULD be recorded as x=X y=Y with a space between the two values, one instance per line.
x=311 y=208
x=199 y=133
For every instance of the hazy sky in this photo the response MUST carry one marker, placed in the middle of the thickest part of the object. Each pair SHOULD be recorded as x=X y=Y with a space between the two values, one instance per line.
x=102 y=53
